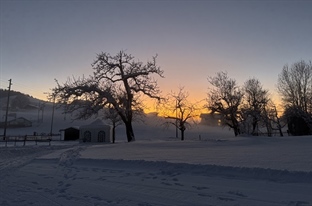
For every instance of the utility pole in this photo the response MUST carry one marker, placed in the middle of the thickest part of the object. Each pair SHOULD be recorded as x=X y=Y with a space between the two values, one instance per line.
x=7 y=110
x=177 y=119
x=53 y=106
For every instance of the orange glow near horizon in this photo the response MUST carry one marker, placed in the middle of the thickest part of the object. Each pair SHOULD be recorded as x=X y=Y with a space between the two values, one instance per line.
x=151 y=105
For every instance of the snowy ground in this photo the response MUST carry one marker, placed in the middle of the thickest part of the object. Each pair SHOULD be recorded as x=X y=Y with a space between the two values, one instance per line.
x=213 y=171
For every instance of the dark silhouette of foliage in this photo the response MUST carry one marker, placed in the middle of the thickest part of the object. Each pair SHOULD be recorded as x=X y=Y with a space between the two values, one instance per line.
x=299 y=121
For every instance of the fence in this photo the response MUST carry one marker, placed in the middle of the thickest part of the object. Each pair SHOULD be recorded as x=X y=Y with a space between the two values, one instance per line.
x=26 y=138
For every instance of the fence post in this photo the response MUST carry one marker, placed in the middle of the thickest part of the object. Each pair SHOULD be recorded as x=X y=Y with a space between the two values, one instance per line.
x=25 y=140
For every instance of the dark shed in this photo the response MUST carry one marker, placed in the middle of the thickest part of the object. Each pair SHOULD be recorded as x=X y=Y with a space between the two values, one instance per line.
x=71 y=133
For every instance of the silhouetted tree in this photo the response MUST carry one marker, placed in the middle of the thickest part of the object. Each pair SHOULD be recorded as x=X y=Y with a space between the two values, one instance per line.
x=225 y=98
x=272 y=120
x=295 y=85
x=255 y=100
x=118 y=81
x=178 y=108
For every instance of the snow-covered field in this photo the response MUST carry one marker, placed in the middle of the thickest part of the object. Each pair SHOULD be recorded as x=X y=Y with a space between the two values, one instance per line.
x=222 y=171
x=212 y=167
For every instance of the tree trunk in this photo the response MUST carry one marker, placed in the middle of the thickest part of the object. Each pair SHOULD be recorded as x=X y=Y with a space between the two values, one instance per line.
x=182 y=135
x=129 y=132
x=236 y=131
x=114 y=133
x=281 y=133
x=235 y=126
x=254 y=128
x=268 y=127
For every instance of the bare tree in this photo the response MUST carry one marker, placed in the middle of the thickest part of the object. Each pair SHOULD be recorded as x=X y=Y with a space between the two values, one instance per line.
x=255 y=100
x=271 y=119
x=118 y=81
x=295 y=85
x=225 y=98
x=180 y=110
x=112 y=116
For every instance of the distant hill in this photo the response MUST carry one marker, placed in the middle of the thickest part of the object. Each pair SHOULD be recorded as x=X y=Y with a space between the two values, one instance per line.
x=4 y=93
x=17 y=100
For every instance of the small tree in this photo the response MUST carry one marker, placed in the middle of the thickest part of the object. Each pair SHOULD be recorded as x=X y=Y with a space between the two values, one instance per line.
x=112 y=116
x=272 y=120
x=225 y=98
x=178 y=108
x=118 y=81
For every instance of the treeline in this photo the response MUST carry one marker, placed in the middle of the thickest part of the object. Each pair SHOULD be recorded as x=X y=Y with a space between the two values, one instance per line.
x=119 y=82
x=248 y=107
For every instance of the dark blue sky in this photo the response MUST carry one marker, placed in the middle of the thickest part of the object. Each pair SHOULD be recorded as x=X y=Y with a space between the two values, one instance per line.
x=43 y=40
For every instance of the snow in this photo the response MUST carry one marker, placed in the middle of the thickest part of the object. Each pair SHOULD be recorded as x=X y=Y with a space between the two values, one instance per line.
x=231 y=171
x=212 y=167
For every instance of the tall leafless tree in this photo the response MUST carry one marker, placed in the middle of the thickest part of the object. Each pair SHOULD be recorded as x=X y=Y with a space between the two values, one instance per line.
x=225 y=97
x=295 y=85
x=118 y=81
x=255 y=100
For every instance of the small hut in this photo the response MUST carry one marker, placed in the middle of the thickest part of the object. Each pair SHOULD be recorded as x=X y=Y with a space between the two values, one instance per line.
x=96 y=132
x=70 y=133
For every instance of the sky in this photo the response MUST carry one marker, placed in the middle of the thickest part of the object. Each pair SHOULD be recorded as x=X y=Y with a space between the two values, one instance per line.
x=41 y=41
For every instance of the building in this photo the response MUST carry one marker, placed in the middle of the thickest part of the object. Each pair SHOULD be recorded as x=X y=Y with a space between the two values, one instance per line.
x=95 y=132
x=210 y=119
x=71 y=133
x=18 y=122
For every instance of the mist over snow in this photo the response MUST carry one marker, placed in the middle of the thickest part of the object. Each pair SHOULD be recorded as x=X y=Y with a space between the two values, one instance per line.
x=211 y=167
